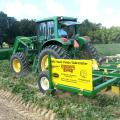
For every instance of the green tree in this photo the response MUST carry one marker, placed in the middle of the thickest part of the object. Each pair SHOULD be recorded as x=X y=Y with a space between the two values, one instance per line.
x=86 y=26
x=27 y=27
x=12 y=30
x=105 y=35
x=114 y=35
x=3 y=25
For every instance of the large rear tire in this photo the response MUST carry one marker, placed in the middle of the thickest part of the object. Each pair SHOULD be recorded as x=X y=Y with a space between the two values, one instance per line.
x=90 y=52
x=55 y=51
x=18 y=64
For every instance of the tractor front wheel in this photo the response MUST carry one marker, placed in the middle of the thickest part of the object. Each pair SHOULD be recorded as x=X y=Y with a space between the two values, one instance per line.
x=18 y=64
x=55 y=51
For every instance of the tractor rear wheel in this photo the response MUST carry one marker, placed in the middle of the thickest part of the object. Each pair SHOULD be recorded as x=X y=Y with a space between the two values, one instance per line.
x=18 y=64
x=55 y=51
x=90 y=52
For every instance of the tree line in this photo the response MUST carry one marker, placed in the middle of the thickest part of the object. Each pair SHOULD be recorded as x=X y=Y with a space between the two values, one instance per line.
x=10 y=27
x=100 y=34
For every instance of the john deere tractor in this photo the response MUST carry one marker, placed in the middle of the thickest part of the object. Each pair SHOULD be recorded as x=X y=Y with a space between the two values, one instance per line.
x=57 y=36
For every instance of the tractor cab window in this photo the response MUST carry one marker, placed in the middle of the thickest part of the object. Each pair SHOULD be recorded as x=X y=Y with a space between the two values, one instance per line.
x=62 y=32
x=46 y=30
x=50 y=31
x=69 y=28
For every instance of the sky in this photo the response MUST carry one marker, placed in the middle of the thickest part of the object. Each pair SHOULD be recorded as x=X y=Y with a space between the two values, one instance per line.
x=106 y=12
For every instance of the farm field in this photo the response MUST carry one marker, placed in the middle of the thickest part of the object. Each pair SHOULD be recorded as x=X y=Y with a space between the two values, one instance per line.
x=108 y=49
x=7 y=113
x=63 y=106
x=33 y=33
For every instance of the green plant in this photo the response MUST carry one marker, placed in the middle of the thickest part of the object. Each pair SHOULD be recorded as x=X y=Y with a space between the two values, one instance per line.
x=71 y=107
x=108 y=49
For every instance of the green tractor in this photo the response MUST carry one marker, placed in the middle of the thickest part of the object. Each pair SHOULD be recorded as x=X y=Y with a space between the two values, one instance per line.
x=57 y=36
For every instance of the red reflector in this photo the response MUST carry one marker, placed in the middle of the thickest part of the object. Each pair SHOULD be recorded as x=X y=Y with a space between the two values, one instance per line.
x=76 y=45
x=65 y=39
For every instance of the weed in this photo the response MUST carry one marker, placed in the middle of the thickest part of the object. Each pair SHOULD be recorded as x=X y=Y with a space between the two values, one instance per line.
x=101 y=107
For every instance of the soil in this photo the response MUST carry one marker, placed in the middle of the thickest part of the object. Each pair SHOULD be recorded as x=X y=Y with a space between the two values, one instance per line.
x=11 y=108
x=8 y=113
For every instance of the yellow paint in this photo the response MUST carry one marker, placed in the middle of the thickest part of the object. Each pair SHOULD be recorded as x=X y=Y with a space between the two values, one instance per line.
x=95 y=65
x=74 y=73
x=105 y=71
x=16 y=65
x=118 y=66
x=44 y=63
x=116 y=90
x=107 y=60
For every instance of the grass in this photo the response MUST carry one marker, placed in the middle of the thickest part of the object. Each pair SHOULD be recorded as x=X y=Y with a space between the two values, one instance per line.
x=108 y=49
x=100 y=107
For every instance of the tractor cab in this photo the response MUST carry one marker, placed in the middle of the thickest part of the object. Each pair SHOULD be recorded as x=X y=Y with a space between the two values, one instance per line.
x=57 y=27
x=68 y=28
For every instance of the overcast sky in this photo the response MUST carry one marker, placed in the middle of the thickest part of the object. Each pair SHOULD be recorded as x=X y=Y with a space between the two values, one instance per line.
x=106 y=12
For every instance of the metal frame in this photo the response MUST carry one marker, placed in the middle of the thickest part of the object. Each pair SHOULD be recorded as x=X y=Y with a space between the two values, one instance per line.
x=107 y=75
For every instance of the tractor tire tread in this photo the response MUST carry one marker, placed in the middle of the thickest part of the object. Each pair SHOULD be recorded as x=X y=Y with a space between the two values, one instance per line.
x=92 y=51
x=22 y=58
x=55 y=50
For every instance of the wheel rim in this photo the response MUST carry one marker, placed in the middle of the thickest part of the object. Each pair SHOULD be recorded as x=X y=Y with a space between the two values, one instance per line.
x=44 y=83
x=44 y=63
x=16 y=65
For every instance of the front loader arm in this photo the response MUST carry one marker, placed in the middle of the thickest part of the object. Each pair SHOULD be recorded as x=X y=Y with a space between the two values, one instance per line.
x=26 y=42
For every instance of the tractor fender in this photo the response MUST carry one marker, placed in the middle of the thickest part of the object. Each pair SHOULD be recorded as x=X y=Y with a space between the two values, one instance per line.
x=83 y=40
x=56 y=42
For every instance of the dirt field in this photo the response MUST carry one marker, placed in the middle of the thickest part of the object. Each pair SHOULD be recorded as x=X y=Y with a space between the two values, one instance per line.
x=12 y=109
x=8 y=112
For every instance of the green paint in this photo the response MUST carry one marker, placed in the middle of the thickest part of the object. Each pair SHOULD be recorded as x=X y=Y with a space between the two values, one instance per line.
x=101 y=73
x=97 y=80
x=50 y=72
x=5 y=53
x=36 y=43
x=101 y=80
x=32 y=46
x=68 y=88
x=105 y=84
x=81 y=40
